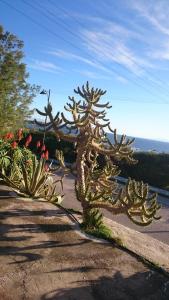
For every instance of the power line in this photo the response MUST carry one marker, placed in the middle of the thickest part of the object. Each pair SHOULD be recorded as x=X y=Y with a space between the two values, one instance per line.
x=125 y=55
x=48 y=16
x=36 y=22
x=41 y=25
x=74 y=34
x=46 y=28
x=66 y=41
x=155 y=77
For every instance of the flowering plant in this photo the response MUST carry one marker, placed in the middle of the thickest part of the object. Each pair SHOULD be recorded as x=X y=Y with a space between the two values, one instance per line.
x=21 y=170
x=11 y=153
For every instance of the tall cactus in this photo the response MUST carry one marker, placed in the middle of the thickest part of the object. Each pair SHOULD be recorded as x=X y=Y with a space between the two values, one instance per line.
x=97 y=188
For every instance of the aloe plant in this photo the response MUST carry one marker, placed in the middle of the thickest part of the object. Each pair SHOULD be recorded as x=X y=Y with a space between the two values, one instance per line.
x=4 y=159
x=11 y=154
x=35 y=184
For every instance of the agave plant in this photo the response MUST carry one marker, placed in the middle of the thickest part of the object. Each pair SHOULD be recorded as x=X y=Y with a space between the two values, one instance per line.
x=38 y=183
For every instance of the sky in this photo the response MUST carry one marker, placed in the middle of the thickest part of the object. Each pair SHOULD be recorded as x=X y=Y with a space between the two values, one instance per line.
x=121 y=46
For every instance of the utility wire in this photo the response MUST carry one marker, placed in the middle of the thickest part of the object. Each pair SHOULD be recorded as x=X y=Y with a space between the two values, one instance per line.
x=37 y=23
x=49 y=31
x=48 y=16
x=148 y=72
x=160 y=83
x=68 y=42
x=63 y=24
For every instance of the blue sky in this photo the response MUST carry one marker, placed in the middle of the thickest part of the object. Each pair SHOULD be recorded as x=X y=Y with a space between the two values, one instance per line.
x=121 y=46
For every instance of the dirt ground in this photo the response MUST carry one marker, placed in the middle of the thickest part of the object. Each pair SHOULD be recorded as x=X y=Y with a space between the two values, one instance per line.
x=43 y=257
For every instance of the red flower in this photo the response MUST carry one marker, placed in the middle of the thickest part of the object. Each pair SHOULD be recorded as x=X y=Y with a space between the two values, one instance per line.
x=43 y=148
x=20 y=133
x=9 y=136
x=28 y=140
x=46 y=154
x=38 y=144
x=14 y=145
x=43 y=155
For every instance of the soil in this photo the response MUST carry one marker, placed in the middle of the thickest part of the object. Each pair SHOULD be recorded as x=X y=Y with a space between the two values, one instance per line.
x=42 y=257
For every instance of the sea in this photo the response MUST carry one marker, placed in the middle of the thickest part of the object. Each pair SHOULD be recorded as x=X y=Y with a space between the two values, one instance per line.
x=141 y=144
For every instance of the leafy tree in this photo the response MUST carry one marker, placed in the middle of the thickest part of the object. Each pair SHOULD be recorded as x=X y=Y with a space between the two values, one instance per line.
x=97 y=188
x=16 y=94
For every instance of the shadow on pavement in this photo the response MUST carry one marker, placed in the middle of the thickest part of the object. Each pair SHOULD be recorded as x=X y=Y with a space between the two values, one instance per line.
x=135 y=287
x=16 y=239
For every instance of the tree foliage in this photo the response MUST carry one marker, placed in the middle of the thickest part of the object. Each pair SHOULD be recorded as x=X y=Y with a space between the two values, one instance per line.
x=16 y=94
x=97 y=188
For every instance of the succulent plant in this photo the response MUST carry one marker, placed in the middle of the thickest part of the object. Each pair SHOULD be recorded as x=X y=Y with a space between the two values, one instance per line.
x=35 y=184
x=96 y=188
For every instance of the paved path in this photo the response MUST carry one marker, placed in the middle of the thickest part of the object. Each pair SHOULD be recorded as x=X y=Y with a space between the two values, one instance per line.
x=158 y=229
x=42 y=257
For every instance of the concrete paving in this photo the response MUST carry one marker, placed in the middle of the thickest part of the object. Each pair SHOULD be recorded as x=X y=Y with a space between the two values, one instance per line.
x=42 y=257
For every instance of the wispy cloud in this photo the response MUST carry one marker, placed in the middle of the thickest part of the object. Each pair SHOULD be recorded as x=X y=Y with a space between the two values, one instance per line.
x=155 y=12
x=161 y=53
x=44 y=66
x=72 y=56
x=137 y=49
x=116 y=49
x=111 y=47
x=122 y=79
x=92 y=75
x=94 y=64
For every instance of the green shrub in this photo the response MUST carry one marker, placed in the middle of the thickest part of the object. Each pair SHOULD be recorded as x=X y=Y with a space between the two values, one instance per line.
x=152 y=168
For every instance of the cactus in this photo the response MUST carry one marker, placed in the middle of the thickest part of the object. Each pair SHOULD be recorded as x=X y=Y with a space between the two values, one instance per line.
x=96 y=188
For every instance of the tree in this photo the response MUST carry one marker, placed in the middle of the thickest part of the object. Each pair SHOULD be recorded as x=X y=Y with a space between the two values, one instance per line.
x=15 y=93
x=97 y=188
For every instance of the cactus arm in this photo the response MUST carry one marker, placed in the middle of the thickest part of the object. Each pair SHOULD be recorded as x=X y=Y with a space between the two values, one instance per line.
x=106 y=105
x=108 y=206
x=41 y=113
x=60 y=134
x=113 y=151
x=54 y=122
